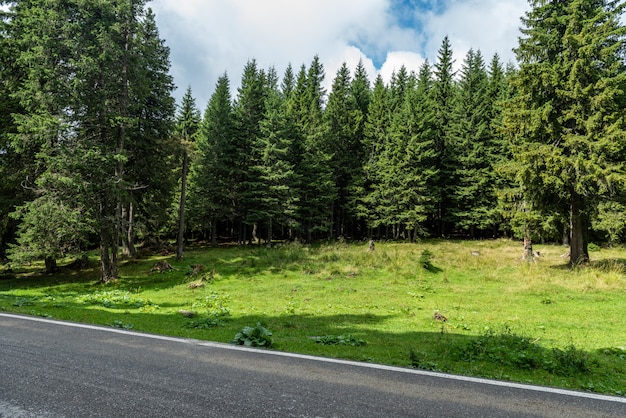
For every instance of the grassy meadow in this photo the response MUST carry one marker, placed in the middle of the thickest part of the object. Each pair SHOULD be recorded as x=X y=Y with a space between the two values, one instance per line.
x=464 y=307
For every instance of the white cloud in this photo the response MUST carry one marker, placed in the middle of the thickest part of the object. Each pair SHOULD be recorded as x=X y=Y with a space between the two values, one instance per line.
x=489 y=25
x=396 y=59
x=210 y=37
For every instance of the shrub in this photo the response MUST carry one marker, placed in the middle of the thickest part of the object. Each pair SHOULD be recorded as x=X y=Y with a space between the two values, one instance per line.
x=425 y=260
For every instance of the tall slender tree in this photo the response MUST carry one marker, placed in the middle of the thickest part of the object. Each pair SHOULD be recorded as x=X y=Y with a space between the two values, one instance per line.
x=213 y=194
x=444 y=96
x=317 y=189
x=249 y=109
x=187 y=127
x=474 y=190
x=375 y=133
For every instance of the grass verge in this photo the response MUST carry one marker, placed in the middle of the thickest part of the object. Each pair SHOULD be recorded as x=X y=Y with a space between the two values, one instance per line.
x=474 y=309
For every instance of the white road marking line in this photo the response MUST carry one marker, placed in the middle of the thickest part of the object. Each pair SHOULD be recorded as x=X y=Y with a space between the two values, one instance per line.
x=326 y=360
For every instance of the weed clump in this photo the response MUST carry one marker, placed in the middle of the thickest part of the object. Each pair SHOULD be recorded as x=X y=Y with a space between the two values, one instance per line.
x=256 y=336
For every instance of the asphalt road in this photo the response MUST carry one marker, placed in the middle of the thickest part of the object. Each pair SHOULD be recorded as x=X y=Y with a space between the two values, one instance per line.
x=60 y=369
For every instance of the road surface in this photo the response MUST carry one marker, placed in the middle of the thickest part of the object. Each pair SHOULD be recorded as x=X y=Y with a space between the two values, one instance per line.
x=62 y=369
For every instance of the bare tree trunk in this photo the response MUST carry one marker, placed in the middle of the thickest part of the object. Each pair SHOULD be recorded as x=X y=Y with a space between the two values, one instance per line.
x=51 y=265
x=566 y=235
x=579 y=253
x=128 y=238
x=528 y=254
x=108 y=269
x=269 y=233
x=181 y=208
x=214 y=233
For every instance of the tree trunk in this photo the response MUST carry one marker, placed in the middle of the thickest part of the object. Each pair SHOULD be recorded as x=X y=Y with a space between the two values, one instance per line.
x=214 y=233
x=579 y=253
x=51 y=265
x=269 y=233
x=128 y=238
x=181 y=207
x=528 y=254
x=107 y=270
x=565 y=235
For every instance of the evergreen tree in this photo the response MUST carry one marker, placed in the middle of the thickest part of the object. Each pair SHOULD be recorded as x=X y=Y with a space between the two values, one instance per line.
x=375 y=132
x=567 y=120
x=248 y=110
x=342 y=119
x=213 y=193
x=360 y=96
x=444 y=96
x=151 y=148
x=14 y=166
x=84 y=66
x=187 y=127
x=474 y=190
x=317 y=189
x=497 y=94
x=277 y=198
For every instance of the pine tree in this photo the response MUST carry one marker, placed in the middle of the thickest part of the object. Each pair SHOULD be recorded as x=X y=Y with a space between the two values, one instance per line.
x=474 y=190
x=213 y=193
x=567 y=119
x=14 y=166
x=342 y=119
x=85 y=65
x=317 y=188
x=277 y=198
x=248 y=110
x=375 y=134
x=360 y=96
x=151 y=148
x=187 y=127
x=444 y=96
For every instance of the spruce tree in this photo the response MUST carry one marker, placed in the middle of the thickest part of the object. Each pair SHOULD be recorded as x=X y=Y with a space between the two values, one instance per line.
x=213 y=189
x=85 y=65
x=276 y=179
x=375 y=132
x=567 y=119
x=248 y=111
x=444 y=97
x=187 y=127
x=317 y=188
x=151 y=148
x=342 y=118
x=474 y=189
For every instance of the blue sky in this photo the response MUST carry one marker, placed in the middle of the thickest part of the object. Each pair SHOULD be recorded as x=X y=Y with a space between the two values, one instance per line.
x=210 y=37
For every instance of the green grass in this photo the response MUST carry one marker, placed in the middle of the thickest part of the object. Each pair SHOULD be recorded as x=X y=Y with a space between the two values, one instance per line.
x=535 y=323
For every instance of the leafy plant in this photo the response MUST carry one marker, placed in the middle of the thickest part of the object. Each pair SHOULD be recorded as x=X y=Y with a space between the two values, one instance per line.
x=119 y=324
x=340 y=340
x=206 y=323
x=257 y=336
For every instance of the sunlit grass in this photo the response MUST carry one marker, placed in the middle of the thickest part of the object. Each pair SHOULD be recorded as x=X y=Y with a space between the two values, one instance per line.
x=385 y=298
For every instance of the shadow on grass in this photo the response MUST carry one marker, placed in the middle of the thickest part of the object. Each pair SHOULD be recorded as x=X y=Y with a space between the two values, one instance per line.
x=498 y=354
x=225 y=262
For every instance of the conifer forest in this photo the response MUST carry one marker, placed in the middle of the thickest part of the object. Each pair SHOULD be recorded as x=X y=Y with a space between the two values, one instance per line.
x=95 y=153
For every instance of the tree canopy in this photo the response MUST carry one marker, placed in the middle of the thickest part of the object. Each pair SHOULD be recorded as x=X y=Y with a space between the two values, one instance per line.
x=93 y=153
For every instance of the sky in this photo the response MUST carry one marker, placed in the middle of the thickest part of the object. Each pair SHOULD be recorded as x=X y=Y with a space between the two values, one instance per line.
x=208 y=38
